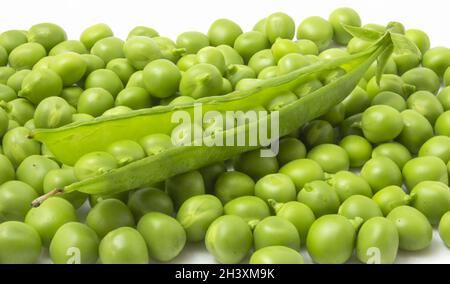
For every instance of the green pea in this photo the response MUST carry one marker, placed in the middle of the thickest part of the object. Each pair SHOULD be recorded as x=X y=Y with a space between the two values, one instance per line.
x=394 y=151
x=406 y=62
x=59 y=178
x=417 y=129
x=94 y=164
x=164 y=236
x=95 y=101
x=11 y=39
x=192 y=41
x=81 y=117
x=358 y=149
x=187 y=61
x=52 y=112
x=161 y=78
x=7 y=172
x=136 y=80
x=274 y=231
x=318 y=132
x=19 y=243
x=279 y=25
x=356 y=102
x=391 y=197
x=3 y=56
x=331 y=239
x=320 y=197
x=143 y=31
x=33 y=169
x=134 y=98
x=332 y=53
x=423 y=79
x=299 y=214
x=47 y=34
x=123 y=246
x=93 y=62
x=231 y=185
x=68 y=46
x=94 y=33
x=260 y=26
x=302 y=171
x=13 y=124
x=140 y=50
x=147 y=200
x=94 y=199
x=432 y=198
x=4 y=122
x=252 y=164
x=154 y=144
x=201 y=80
x=282 y=47
x=276 y=255
x=356 y=45
x=360 y=206
x=248 y=84
x=419 y=38
x=71 y=95
x=307 y=47
x=424 y=168
x=110 y=48
x=7 y=93
x=17 y=146
x=278 y=187
x=381 y=123
x=183 y=186
x=331 y=158
x=414 y=230
x=316 y=29
x=197 y=213
x=115 y=111
x=50 y=216
x=437 y=146
x=380 y=172
x=223 y=31
x=15 y=199
x=442 y=125
x=340 y=17
x=26 y=55
x=249 y=43
x=236 y=73
x=40 y=84
x=262 y=59
x=281 y=101
x=19 y=110
x=268 y=72
x=291 y=62
x=106 y=79
x=76 y=236
x=211 y=173
x=437 y=59
x=290 y=149
x=122 y=67
x=444 y=229
x=390 y=99
x=389 y=82
x=229 y=239
x=169 y=49
x=249 y=208
x=230 y=55
x=335 y=115
x=126 y=151
x=347 y=184
x=377 y=241
x=16 y=79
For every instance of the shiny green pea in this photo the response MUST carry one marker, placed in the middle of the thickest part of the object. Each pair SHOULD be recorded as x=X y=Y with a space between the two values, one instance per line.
x=302 y=171
x=66 y=46
x=437 y=59
x=274 y=231
x=123 y=246
x=223 y=31
x=282 y=47
x=381 y=172
x=249 y=43
x=118 y=110
x=389 y=82
x=40 y=84
x=391 y=197
x=394 y=151
x=201 y=80
x=106 y=79
x=147 y=200
x=126 y=151
x=320 y=197
x=26 y=55
x=230 y=55
x=281 y=100
x=52 y=112
x=268 y=72
x=95 y=101
x=109 y=48
x=19 y=243
x=360 y=206
x=15 y=199
x=183 y=186
x=276 y=255
x=7 y=93
x=231 y=185
x=11 y=39
x=347 y=184
x=419 y=38
x=432 y=198
x=236 y=73
x=307 y=47
x=252 y=164
x=318 y=132
x=442 y=125
x=192 y=41
x=332 y=158
x=340 y=17
x=299 y=214
x=94 y=33
x=417 y=129
x=169 y=49
x=140 y=50
x=426 y=168
x=59 y=178
x=423 y=79
x=94 y=164
x=390 y=99
x=122 y=67
x=356 y=45
x=17 y=146
x=444 y=229
x=316 y=29
x=262 y=59
x=414 y=230
x=187 y=61
x=33 y=170
x=438 y=146
x=134 y=98
x=279 y=25
x=381 y=123
x=406 y=62
x=196 y=215
x=249 y=208
x=278 y=187
x=161 y=78
x=377 y=241
x=154 y=144
x=143 y=31
x=358 y=149
x=69 y=66
x=16 y=79
x=72 y=95
x=260 y=26
x=291 y=62
x=93 y=62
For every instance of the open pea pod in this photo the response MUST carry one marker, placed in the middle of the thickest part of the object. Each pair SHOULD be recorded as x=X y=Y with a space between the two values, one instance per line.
x=71 y=142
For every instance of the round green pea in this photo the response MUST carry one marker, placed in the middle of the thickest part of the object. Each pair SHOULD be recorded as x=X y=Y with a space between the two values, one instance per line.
x=426 y=168
x=340 y=17
x=419 y=38
x=69 y=66
x=182 y=187
x=278 y=187
x=268 y=72
x=316 y=29
x=122 y=67
x=381 y=123
x=332 y=158
x=143 y=31
x=58 y=179
x=276 y=231
x=169 y=49
x=15 y=200
x=47 y=34
x=126 y=151
x=252 y=164
x=230 y=185
x=11 y=39
x=147 y=200
x=52 y=112
x=161 y=78
x=94 y=164
x=71 y=95
x=302 y=171
x=26 y=55
x=106 y=79
x=237 y=72
x=109 y=48
x=141 y=50
x=249 y=43
x=394 y=151
x=426 y=104
x=40 y=84
x=134 y=98
x=320 y=197
x=282 y=47
x=380 y=172
x=432 y=198
x=307 y=47
x=249 y=208
x=356 y=45
x=279 y=25
x=444 y=229
x=123 y=246
x=201 y=80
x=276 y=255
x=416 y=131
x=154 y=144
x=388 y=82
x=7 y=93
x=358 y=149
x=391 y=197
x=94 y=33
x=223 y=31
x=292 y=61
x=192 y=41
x=16 y=79
x=17 y=146
x=33 y=170
x=423 y=79
x=19 y=243
x=438 y=146
x=390 y=99
x=67 y=46
x=360 y=206
x=95 y=101
x=437 y=59
x=262 y=59
x=93 y=62
x=290 y=149
x=230 y=55
x=347 y=184
x=318 y=132
x=299 y=214
x=442 y=125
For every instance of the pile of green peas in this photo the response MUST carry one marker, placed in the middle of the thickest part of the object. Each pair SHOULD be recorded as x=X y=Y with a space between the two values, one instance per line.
x=371 y=173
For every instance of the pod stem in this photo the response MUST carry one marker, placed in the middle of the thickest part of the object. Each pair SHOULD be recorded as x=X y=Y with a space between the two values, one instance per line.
x=38 y=201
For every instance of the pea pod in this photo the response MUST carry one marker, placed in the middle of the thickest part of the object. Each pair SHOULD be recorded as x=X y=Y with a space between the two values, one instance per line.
x=70 y=142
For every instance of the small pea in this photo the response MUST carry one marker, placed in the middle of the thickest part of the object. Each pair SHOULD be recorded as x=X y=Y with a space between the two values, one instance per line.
x=249 y=43
x=125 y=246
x=278 y=187
x=33 y=170
x=11 y=39
x=147 y=200
x=347 y=184
x=66 y=46
x=126 y=151
x=437 y=59
x=432 y=199
x=169 y=49
x=388 y=82
x=423 y=79
x=230 y=55
x=231 y=185
x=292 y=61
x=237 y=72
x=213 y=56
x=279 y=25
x=105 y=79
x=26 y=55
x=181 y=187
x=316 y=29
x=358 y=149
x=390 y=99
x=276 y=255
x=299 y=214
x=262 y=59
x=381 y=123
x=94 y=164
x=417 y=129
x=442 y=125
x=109 y=48
x=252 y=164
x=273 y=231
x=17 y=146
x=201 y=80
x=394 y=151
x=419 y=38
x=192 y=41
x=161 y=78
x=340 y=17
x=331 y=158
x=52 y=112
x=360 y=206
x=15 y=196
x=391 y=197
x=134 y=98
x=40 y=84
x=16 y=79
x=19 y=243
x=290 y=149
x=282 y=47
x=426 y=168
x=95 y=101
x=381 y=172
x=93 y=62
x=320 y=197
x=318 y=132
x=438 y=146
x=223 y=31
x=95 y=33
x=143 y=31
x=444 y=229
x=122 y=67
x=69 y=66
x=426 y=104
x=302 y=171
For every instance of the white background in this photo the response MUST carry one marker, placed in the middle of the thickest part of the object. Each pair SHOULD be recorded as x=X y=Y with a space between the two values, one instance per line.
x=171 y=17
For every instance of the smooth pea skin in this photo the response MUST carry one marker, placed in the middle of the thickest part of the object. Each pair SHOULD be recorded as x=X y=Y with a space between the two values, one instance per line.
x=300 y=215
x=53 y=112
x=279 y=25
x=414 y=230
x=95 y=101
x=330 y=157
x=201 y=80
x=390 y=99
x=192 y=41
x=26 y=55
x=147 y=200
x=161 y=78
x=302 y=171
x=94 y=164
x=197 y=213
x=290 y=149
x=394 y=151
x=340 y=17
x=331 y=239
x=15 y=200
x=19 y=243
x=106 y=79
x=282 y=47
x=249 y=43
x=34 y=169
x=59 y=178
x=278 y=187
x=143 y=31
x=262 y=59
x=438 y=146
x=164 y=236
x=273 y=231
x=140 y=50
x=347 y=184
x=358 y=149
x=229 y=239
x=427 y=104
x=419 y=38
x=442 y=125
x=276 y=255
x=381 y=172
x=19 y=110
x=432 y=199
x=252 y=164
x=437 y=59
x=381 y=123
x=391 y=197
x=74 y=243
x=181 y=187
x=423 y=79
x=249 y=208
x=417 y=129
x=134 y=98
x=360 y=206
x=108 y=49
x=108 y=215
x=95 y=33
x=320 y=197
x=17 y=146
x=123 y=246
x=7 y=171
x=67 y=46
x=69 y=66
x=444 y=229
x=223 y=31
x=231 y=185
x=154 y=144
x=318 y=132
x=11 y=39
x=122 y=67
x=126 y=151
x=40 y=84
x=426 y=168
x=316 y=29
x=377 y=241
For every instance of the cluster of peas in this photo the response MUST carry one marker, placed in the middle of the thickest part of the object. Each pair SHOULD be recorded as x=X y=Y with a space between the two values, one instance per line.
x=396 y=132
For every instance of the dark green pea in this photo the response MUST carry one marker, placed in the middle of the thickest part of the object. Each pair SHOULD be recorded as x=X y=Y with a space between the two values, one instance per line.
x=59 y=178
x=249 y=43
x=249 y=208
x=302 y=171
x=381 y=123
x=15 y=197
x=140 y=50
x=320 y=197
x=417 y=129
x=17 y=146
x=71 y=95
x=109 y=48
x=282 y=47
x=424 y=168
x=426 y=104
x=94 y=33
x=94 y=199
x=419 y=38
x=183 y=186
x=330 y=157
x=196 y=215
x=358 y=149
x=276 y=255
x=5 y=73
x=106 y=79
x=360 y=206
x=252 y=164
x=165 y=237
x=47 y=34
x=335 y=115
x=95 y=101
x=200 y=81
x=93 y=62
x=268 y=72
x=331 y=239
x=210 y=175
x=394 y=151
x=229 y=239
x=122 y=67
x=389 y=82
x=300 y=215
x=316 y=29
x=438 y=146
x=447 y=77
x=444 y=229
x=66 y=46
x=192 y=41
x=356 y=102
x=154 y=144
x=290 y=149
x=223 y=31
x=437 y=59
x=12 y=39
x=262 y=59
x=377 y=241
x=432 y=198
x=390 y=99
x=279 y=25
x=413 y=227
x=230 y=55
x=318 y=132
x=381 y=172
x=231 y=185
x=123 y=246
x=143 y=31
x=340 y=17
x=16 y=79
x=134 y=98
x=148 y=200
x=347 y=184
x=390 y=197
x=169 y=49
x=423 y=79
x=276 y=231
x=40 y=84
